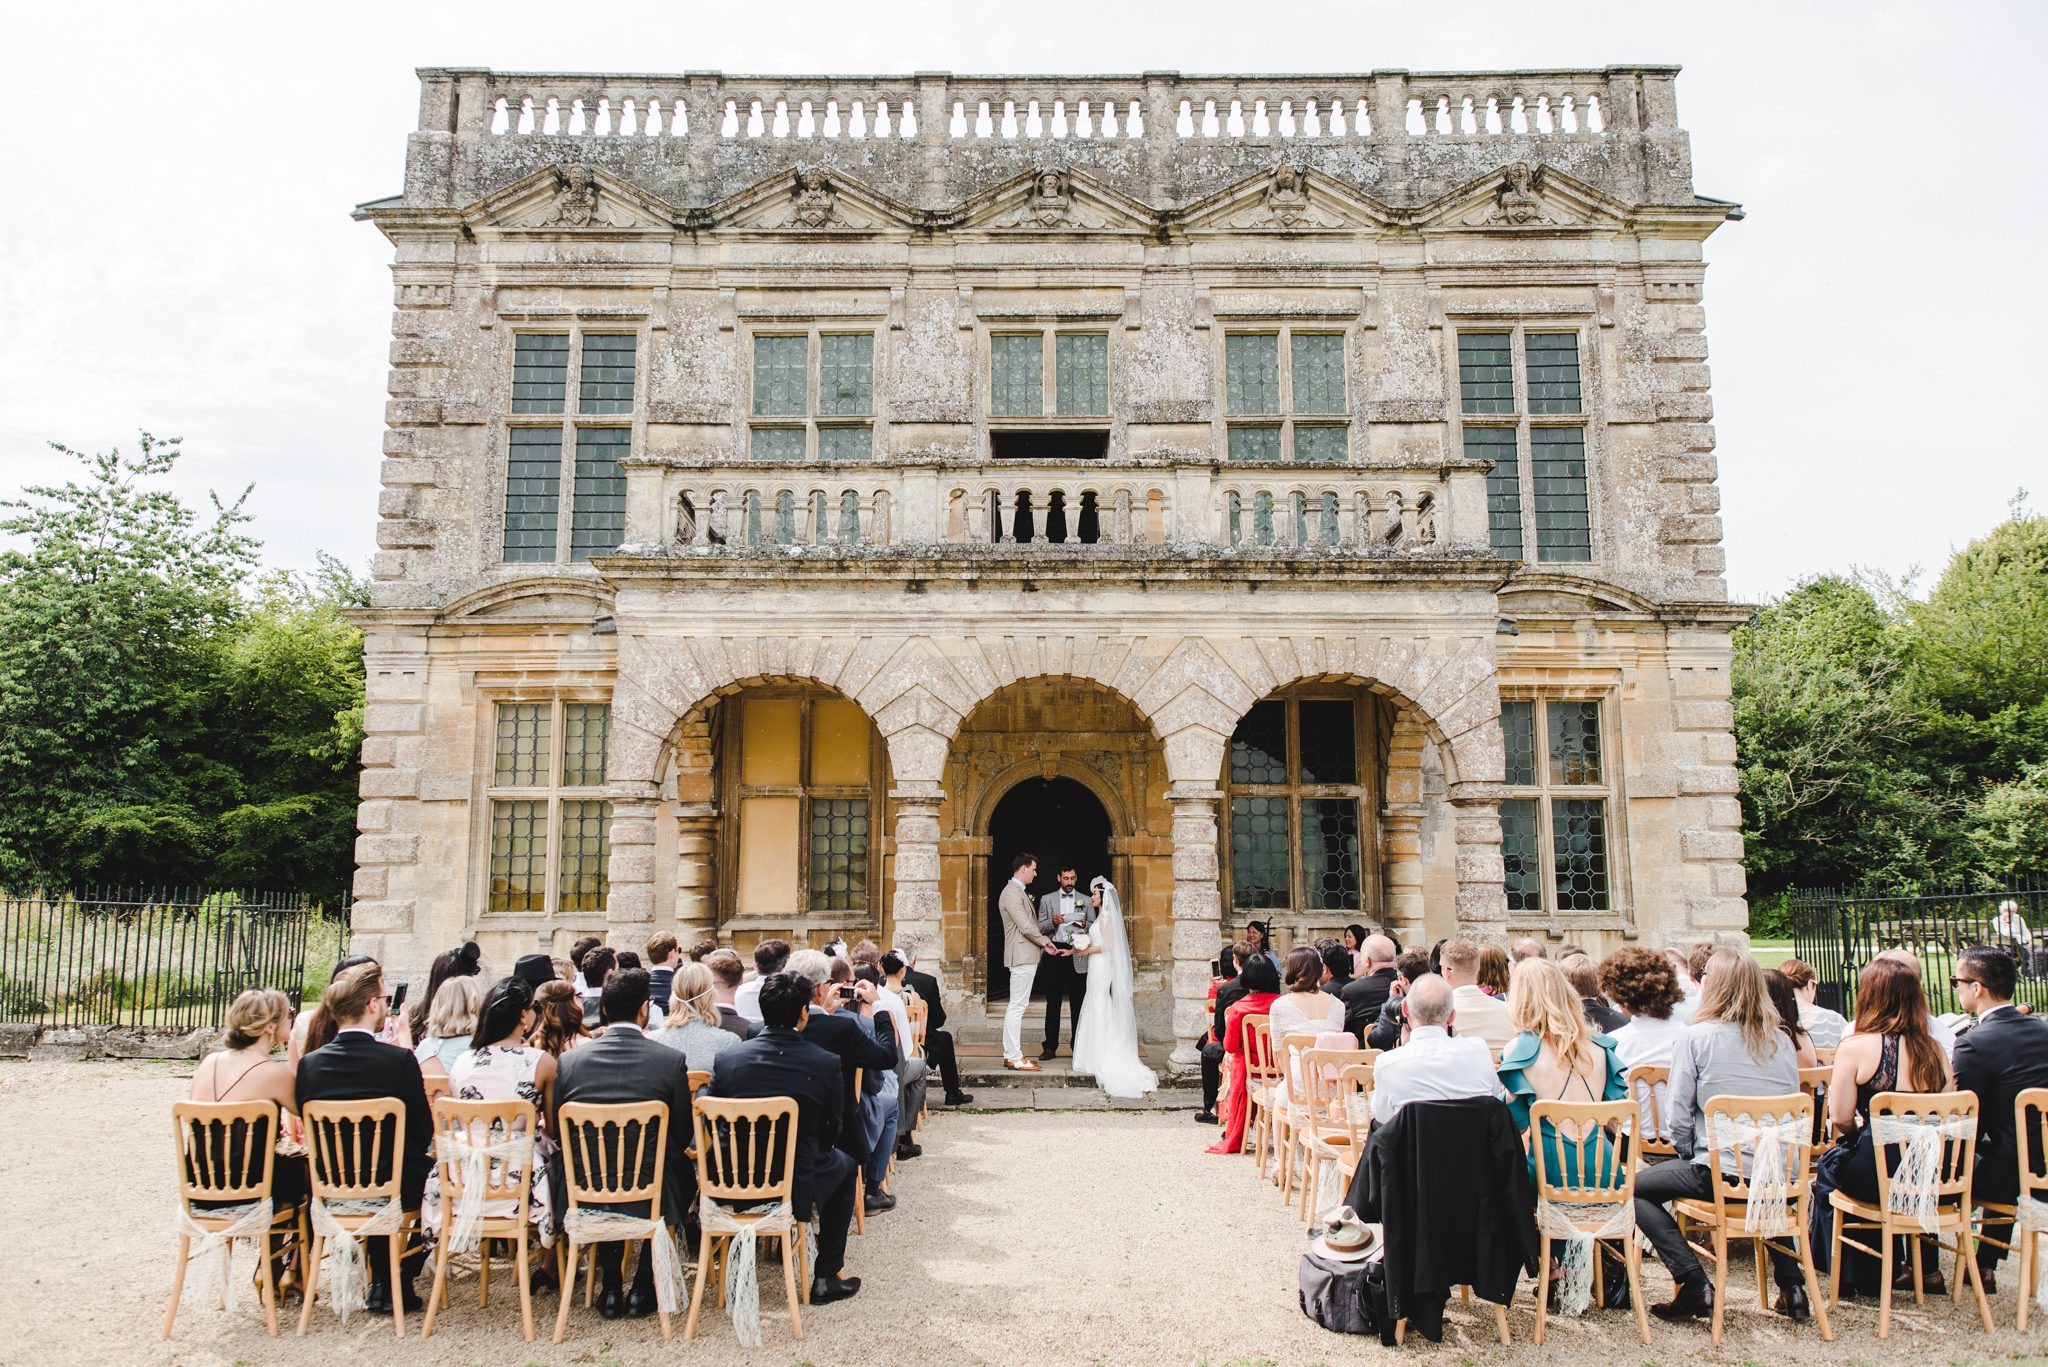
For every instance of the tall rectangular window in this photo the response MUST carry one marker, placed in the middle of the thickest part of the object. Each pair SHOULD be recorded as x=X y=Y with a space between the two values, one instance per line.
x=1046 y=372
x=1524 y=419
x=814 y=396
x=1554 y=827
x=801 y=770
x=1297 y=410
x=1298 y=805
x=550 y=837
x=591 y=499
x=1081 y=374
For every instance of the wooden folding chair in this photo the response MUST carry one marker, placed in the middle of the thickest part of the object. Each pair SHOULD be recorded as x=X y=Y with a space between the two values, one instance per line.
x=612 y=1156
x=1259 y=1080
x=746 y=1156
x=227 y=1154
x=1647 y=1084
x=860 y=1171
x=1825 y=1057
x=345 y=1149
x=1332 y=1130
x=2030 y=1119
x=1590 y=1139
x=1726 y=1216
x=1952 y=1118
x=462 y=1124
x=920 y=1018
x=1814 y=1082
x=438 y=1085
x=1290 y=1108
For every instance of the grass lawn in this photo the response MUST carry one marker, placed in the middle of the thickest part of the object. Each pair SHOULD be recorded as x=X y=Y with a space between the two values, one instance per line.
x=1771 y=953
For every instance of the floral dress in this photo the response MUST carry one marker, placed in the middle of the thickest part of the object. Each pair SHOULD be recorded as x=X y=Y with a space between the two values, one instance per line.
x=501 y=1073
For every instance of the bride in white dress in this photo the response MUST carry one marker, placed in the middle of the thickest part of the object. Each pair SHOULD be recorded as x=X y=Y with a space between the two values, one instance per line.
x=1106 y=1041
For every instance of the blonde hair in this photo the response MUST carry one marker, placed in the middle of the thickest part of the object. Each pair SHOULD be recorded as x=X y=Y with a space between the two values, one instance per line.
x=691 y=991
x=347 y=999
x=1735 y=993
x=255 y=1014
x=1541 y=1002
x=453 y=1014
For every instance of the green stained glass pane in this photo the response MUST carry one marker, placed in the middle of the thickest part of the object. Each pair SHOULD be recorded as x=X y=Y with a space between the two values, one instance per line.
x=1255 y=443
x=1258 y=748
x=586 y=733
x=1553 y=371
x=779 y=365
x=1321 y=443
x=1017 y=375
x=1578 y=838
x=1081 y=373
x=1251 y=372
x=1574 y=741
x=1564 y=527
x=1329 y=853
x=607 y=382
x=1521 y=854
x=519 y=856
x=1486 y=372
x=777 y=443
x=540 y=372
x=1518 y=731
x=1503 y=486
x=839 y=854
x=1318 y=372
x=843 y=443
x=1329 y=741
x=846 y=373
x=533 y=493
x=1260 y=852
x=522 y=744
x=586 y=851
x=597 y=515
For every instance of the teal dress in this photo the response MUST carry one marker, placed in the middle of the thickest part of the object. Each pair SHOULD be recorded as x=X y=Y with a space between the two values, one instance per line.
x=1522 y=1097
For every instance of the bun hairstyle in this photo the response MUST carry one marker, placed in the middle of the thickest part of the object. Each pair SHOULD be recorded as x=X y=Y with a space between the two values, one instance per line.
x=347 y=999
x=464 y=961
x=505 y=1005
x=320 y=1023
x=255 y=1015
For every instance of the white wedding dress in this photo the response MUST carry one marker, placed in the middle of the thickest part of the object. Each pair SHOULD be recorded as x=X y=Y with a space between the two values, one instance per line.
x=1106 y=1041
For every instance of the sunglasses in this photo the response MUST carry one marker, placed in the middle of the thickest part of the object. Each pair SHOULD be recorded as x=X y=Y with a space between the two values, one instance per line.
x=1958 y=982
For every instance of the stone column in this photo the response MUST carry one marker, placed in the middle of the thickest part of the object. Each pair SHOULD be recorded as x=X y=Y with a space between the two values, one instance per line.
x=1482 y=892
x=696 y=840
x=1197 y=915
x=916 y=907
x=629 y=902
x=1401 y=861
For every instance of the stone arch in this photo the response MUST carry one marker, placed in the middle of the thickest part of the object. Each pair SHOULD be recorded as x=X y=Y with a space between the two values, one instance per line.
x=998 y=785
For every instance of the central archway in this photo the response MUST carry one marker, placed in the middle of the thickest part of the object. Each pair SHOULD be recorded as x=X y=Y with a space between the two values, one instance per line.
x=1062 y=822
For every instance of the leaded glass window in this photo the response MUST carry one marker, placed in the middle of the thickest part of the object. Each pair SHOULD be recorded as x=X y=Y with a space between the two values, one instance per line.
x=803 y=772
x=1299 y=834
x=1049 y=374
x=1486 y=372
x=607 y=372
x=780 y=364
x=597 y=516
x=1277 y=410
x=540 y=372
x=839 y=854
x=846 y=373
x=1017 y=370
x=1081 y=374
x=1554 y=821
x=1564 y=529
x=549 y=844
x=1503 y=486
x=533 y=494
x=1553 y=371
x=1520 y=381
x=590 y=498
x=814 y=395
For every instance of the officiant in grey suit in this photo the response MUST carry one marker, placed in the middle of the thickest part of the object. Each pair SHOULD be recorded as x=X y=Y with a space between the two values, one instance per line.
x=1060 y=915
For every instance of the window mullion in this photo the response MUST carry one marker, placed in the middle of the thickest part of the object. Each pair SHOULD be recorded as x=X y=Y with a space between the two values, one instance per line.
x=1048 y=372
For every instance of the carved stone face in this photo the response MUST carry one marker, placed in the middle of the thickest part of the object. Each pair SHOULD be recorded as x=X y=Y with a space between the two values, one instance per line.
x=1050 y=184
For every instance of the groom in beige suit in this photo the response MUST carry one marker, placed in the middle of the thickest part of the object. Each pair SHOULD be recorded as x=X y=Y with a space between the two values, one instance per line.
x=1022 y=944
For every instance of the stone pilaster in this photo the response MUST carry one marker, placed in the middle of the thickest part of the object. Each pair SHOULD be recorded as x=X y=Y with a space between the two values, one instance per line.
x=1482 y=891
x=1401 y=860
x=916 y=909
x=629 y=904
x=696 y=901
x=1197 y=915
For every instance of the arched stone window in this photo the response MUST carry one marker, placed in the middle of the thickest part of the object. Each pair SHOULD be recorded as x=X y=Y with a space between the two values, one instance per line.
x=1301 y=777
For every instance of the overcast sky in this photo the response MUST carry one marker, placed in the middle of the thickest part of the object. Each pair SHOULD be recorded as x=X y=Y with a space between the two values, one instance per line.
x=178 y=254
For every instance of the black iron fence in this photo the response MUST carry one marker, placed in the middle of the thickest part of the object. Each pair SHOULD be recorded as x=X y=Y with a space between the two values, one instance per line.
x=166 y=960
x=1837 y=933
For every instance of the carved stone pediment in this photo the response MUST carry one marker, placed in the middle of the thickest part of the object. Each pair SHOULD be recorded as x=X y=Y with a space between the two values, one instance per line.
x=810 y=199
x=1049 y=199
x=571 y=198
x=1527 y=196
x=1286 y=199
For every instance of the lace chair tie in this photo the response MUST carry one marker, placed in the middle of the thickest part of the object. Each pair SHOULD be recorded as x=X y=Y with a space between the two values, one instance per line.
x=1916 y=1183
x=742 y=1275
x=1564 y=1221
x=2033 y=1222
x=515 y=1152
x=251 y=1221
x=349 y=1282
x=587 y=1226
x=1771 y=1141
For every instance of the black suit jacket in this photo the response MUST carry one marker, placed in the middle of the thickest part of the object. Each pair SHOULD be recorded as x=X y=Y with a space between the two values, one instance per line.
x=732 y=1022
x=358 y=1067
x=841 y=1034
x=1227 y=996
x=928 y=992
x=1998 y=1058
x=1364 y=997
x=623 y=1066
x=784 y=1063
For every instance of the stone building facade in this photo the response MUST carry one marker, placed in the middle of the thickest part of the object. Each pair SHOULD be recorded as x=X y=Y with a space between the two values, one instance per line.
x=1291 y=497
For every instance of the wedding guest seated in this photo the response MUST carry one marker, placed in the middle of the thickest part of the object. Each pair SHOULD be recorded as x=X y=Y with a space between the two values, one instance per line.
x=558 y=1018
x=315 y=1028
x=1688 y=987
x=1223 y=996
x=1944 y=1034
x=502 y=1066
x=449 y=1025
x=782 y=1062
x=535 y=970
x=1786 y=1003
x=938 y=1041
x=464 y=961
x=769 y=958
x=727 y=974
x=623 y=1066
x=1528 y=947
x=703 y=950
x=1337 y=967
x=1435 y=1064
x=1304 y=1008
x=1262 y=989
x=598 y=965
x=2002 y=1055
x=844 y=1025
x=1366 y=993
x=1556 y=1057
x=1734 y=1047
x=1826 y=1027
x=911 y=1070
x=1644 y=983
x=1480 y=1014
x=248 y=1068
x=664 y=956
x=357 y=1066
x=1493 y=971
x=693 y=1027
x=1585 y=980
x=1386 y=1032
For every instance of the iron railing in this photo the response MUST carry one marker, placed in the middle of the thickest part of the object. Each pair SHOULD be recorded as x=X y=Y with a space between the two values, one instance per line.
x=1836 y=933
x=158 y=960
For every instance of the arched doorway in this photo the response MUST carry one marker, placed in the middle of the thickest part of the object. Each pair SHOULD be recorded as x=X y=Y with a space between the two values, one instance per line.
x=1061 y=822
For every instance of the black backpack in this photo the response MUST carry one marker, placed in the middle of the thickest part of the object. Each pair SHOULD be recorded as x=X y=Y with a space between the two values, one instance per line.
x=1346 y=1297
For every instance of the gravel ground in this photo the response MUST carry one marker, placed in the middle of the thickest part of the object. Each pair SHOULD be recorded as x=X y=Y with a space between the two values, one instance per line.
x=1023 y=1238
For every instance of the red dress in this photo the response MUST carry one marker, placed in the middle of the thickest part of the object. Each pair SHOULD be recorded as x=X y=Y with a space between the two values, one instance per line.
x=1235 y=1102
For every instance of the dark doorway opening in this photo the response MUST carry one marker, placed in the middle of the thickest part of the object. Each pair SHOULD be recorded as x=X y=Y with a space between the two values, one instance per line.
x=1061 y=822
